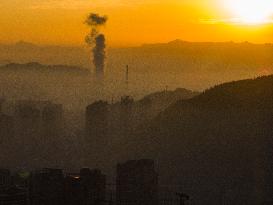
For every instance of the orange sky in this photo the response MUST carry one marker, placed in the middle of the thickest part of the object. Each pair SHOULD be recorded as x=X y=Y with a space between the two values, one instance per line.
x=131 y=22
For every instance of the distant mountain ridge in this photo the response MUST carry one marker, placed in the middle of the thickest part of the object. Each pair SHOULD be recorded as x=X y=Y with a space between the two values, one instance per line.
x=179 y=42
x=194 y=65
x=159 y=101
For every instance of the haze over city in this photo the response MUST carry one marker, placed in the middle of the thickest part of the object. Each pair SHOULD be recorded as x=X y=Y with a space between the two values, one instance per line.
x=136 y=102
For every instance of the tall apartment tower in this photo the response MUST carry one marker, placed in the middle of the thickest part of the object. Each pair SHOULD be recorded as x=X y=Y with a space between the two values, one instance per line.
x=96 y=132
x=137 y=183
x=5 y=178
x=93 y=186
x=96 y=120
x=126 y=115
x=27 y=132
x=52 y=120
x=46 y=187
x=52 y=126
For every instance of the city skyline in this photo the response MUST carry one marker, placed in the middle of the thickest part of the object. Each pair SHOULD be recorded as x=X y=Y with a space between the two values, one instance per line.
x=136 y=102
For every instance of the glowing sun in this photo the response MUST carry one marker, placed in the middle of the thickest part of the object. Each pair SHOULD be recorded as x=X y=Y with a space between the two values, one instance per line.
x=251 y=11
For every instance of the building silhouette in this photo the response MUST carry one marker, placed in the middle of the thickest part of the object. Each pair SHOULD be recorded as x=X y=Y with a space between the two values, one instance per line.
x=46 y=187
x=38 y=128
x=6 y=128
x=13 y=195
x=126 y=115
x=52 y=120
x=52 y=125
x=85 y=188
x=27 y=133
x=2 y=100
x=93 y=186
x=96 y=120
x=96 y=132
x=9 y=193
x=5 y=178
x=72 y=189
x=137 y=183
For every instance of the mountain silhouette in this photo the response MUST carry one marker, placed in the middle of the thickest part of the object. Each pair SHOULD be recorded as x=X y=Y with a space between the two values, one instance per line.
x=217 y=145
x=194 y=65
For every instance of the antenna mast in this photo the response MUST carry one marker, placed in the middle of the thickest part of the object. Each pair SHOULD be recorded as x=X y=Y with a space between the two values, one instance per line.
x=127 y=78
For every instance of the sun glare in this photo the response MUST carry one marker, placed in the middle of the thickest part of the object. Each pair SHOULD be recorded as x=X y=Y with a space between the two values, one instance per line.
x=251 y=11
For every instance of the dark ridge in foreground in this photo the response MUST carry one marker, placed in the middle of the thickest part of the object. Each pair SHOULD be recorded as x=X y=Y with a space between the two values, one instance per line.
x=217 y=143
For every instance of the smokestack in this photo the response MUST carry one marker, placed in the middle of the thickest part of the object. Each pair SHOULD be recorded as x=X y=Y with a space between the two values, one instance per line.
x=99 y=55
x=96 y=41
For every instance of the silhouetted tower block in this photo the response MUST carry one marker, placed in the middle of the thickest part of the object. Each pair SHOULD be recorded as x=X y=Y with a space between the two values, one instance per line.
x=38 y=127
x=52 y=119
x=137 y=183
x=96 y=129
x=5 y=178
x=52 y=132
x=182 y=198
x=2 y=100
x=97 y=120
x=6 y=128
x=93 y=186
x=22 y=178
x=47 y=187
x=126 y=115
x=27 y=132
x=13 y=196
x=72 y=190
x=28 y=121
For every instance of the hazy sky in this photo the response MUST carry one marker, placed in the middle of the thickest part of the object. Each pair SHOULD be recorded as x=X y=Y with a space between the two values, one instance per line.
x=133 y=22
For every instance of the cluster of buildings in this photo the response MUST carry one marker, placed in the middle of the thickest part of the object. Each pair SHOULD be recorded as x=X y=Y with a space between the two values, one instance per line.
x=136 y=183
x=40 y=131
x=34 y=129
x=107 y=126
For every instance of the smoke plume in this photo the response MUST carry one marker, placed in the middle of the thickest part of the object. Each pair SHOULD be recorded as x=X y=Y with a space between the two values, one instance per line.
x=96 y=40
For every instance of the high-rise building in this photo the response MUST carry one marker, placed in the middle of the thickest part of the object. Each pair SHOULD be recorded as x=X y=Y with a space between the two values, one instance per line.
x=52 y=125
x=52 y=120
x=9 y=193
x=87 y=187
x=27 y=121
x=97 y=120
x=126 y=115
x=72 y=189
x=5 y=178
x=13 y=196
x=27 y=132
x=38 y=127
x=2 y=100
x=93 y=186
x=96 y=132
x=6 y=128
x=47 y=187
x=137 y=183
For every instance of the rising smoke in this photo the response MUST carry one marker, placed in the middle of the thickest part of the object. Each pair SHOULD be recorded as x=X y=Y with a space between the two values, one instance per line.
x=96 y=40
